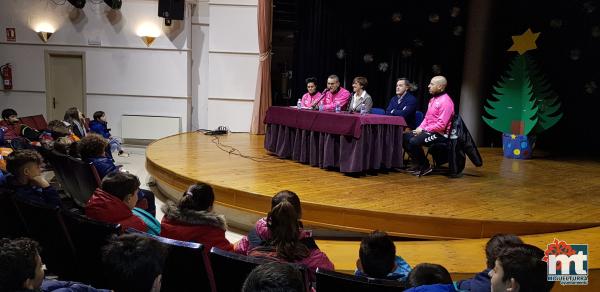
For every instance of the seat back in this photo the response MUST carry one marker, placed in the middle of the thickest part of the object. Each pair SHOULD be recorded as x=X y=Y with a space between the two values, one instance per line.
x=186 y=266
x=45 y=225
x=86 y=178
x=67 y=176
x=88 y=237
x=12 y=225
x=231 y=270
x=37 y=122
x=334 y=281
x=419 y=118
x=377 y=111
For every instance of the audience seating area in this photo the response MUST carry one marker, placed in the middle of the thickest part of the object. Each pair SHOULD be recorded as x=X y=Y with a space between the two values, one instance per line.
x=79 y=179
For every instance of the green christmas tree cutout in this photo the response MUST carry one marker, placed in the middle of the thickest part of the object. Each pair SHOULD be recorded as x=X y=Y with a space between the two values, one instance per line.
x=524 y=102
x=514 y=109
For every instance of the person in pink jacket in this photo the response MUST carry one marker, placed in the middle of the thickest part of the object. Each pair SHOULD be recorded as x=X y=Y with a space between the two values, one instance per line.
x=283 y=228
x=434 y=128
x=335 y=95
x=312 y=97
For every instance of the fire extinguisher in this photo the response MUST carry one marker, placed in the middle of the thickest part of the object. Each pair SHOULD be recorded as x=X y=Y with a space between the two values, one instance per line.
x=6 y=71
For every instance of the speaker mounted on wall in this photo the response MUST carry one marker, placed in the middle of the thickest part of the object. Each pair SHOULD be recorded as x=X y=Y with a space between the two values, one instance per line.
x=77 y=3
x=171 y=9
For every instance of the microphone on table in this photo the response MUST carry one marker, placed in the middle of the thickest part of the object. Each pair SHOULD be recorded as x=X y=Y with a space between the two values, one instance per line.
x=316 y=104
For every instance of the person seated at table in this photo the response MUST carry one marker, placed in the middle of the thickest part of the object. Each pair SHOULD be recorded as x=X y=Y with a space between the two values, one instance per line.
x=312 y=97
x=360 y=98
x=335 y=94
x=403 y=104
x=434 y=128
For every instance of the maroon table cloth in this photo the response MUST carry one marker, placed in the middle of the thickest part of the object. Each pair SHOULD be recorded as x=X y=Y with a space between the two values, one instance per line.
x=350 y=142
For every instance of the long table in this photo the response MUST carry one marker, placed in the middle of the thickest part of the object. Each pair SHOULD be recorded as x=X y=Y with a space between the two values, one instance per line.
x=351 y=142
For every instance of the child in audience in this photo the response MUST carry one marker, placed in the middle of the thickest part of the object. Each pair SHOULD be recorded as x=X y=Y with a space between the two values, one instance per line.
x=75 y=119
x=428 y=274
x=193 y=219
x=284 y=242
x=378 y=259
x=10 y=125
x=274 y=276
x=134 y=263
x=519 y=268
x=91 y=148
x=99 y=126
x=15 y=134
x=260 y=233
x=25 y=178
x=115 y=200
x=481 y=281
x=21 y=269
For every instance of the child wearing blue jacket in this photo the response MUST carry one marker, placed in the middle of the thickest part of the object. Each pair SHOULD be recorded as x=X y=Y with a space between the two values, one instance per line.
x=100 y=126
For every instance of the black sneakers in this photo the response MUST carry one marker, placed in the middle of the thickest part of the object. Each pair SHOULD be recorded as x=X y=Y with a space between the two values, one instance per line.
x=425 y=170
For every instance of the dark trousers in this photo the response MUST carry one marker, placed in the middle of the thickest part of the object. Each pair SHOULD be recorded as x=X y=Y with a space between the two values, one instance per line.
x=415 y=143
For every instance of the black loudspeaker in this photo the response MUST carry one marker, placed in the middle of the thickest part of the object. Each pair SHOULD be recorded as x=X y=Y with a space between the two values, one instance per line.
x=171 y=9
x=77 y=3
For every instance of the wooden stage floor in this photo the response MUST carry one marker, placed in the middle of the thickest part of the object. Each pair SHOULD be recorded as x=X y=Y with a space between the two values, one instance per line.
x=516 y=196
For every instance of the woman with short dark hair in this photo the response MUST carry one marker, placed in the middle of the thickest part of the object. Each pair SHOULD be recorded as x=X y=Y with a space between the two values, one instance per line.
x=360 y=99
x=313 y=96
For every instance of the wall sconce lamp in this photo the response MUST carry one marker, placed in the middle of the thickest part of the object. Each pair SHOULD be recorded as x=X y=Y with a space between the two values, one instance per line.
x=44 y=31
x=148 y=33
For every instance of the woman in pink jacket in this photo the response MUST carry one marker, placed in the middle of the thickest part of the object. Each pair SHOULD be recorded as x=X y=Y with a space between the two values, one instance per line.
x=312 y=97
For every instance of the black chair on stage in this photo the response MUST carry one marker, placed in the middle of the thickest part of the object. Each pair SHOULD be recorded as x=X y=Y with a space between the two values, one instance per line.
x=334 y=281
x=186 y=266
x=231 y=270
x=45 y=225
x=88 y=237
x=12 y=225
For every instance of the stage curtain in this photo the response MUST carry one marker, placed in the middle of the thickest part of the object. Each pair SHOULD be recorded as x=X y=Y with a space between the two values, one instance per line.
x=262 y=99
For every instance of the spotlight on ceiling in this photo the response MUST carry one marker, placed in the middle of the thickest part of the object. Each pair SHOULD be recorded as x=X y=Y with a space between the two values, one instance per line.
x=114 y=4
x=77 y=3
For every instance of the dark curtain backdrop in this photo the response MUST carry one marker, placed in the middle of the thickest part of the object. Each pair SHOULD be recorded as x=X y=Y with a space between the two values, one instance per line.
x=381 y=40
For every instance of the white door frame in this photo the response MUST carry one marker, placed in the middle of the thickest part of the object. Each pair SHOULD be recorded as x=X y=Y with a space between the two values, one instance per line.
x=49 y=104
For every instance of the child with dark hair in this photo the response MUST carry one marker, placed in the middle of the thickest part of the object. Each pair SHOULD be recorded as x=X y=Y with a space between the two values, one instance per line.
x=429 y=277
x=26 y=180
x=10 y=127
x=378 y=259
x=481 y=281
x=21 y=269
x=99 y=125
x=519 y=268
x=261 y=233
x=92 y=149
x=15 y=134
x=274 y=276
x=284 y=243
x=115 y=201
x=134 y=263
x=193 y=219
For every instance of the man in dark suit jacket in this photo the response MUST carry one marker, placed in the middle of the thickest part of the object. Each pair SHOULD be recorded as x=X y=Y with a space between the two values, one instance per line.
x=403 y=103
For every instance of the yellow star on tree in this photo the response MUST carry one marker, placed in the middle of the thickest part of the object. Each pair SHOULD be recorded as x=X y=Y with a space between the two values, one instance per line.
x=525 y=42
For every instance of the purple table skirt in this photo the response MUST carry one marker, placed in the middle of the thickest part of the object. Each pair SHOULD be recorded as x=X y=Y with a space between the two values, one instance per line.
x=379 y=147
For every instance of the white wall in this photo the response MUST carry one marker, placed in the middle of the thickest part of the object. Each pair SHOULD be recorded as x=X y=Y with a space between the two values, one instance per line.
x=233 y=63
x=122 y=75
x=207 y=63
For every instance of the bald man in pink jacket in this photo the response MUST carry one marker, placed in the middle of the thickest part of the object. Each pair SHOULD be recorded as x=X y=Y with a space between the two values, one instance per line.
x=434 y=128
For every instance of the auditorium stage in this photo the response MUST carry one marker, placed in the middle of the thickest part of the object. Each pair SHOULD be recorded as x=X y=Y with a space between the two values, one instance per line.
x=505 y=195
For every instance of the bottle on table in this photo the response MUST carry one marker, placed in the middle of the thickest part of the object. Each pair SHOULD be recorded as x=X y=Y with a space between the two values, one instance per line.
x=338 y=108
x=321 y=106
x=299 y=103
x=363 y=109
